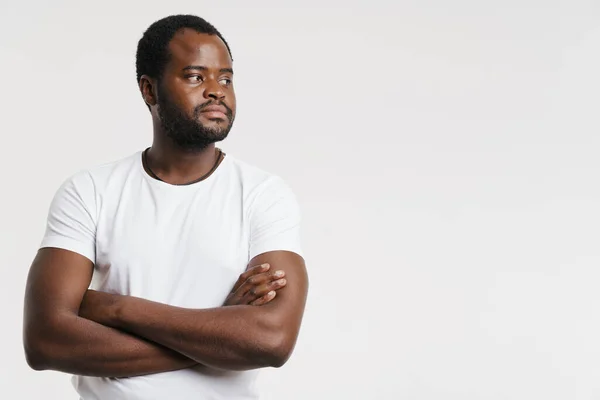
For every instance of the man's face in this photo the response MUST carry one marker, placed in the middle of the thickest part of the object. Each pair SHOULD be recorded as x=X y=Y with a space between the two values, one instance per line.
x=196 y=101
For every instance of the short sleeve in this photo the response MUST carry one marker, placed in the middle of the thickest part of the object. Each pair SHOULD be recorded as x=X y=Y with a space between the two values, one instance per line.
x=71 y=219
x=275 y=220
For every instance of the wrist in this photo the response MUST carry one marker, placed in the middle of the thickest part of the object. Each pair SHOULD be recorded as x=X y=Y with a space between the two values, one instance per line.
x=114 y=311
x=101 y=307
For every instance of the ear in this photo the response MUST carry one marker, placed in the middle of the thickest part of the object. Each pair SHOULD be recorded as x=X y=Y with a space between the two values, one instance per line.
x=148 y=89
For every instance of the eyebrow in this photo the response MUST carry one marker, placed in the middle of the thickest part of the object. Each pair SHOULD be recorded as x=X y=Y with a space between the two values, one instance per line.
x=203 y=68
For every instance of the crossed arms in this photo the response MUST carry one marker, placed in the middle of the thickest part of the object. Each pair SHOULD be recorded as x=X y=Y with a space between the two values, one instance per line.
x=71 y=329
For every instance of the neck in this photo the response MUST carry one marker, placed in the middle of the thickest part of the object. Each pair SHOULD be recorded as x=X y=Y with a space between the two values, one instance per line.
x=177 y=166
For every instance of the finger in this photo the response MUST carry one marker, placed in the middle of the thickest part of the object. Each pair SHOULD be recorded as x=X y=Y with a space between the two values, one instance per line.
x=265 y=299
x=259 y=285
x=229 y=300
x=260 y=279
x=258 y=291
x=250 y=272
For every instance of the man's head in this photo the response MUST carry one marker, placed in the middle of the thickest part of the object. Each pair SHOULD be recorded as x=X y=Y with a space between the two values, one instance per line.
x=184 y=70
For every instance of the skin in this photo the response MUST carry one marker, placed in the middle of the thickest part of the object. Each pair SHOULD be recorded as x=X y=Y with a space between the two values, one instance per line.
x=57 y=337
x=238 y=337
x=72 y=329
x=187 y=89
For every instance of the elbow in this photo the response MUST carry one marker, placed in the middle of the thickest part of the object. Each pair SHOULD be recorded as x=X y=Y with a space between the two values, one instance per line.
x=277 y=340
x=280 y=349
x=278 y=360
x=40 y=349
x=35 y=355
x=35 y=361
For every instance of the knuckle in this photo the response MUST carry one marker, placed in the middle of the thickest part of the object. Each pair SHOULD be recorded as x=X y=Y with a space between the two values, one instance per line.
x=277 y=283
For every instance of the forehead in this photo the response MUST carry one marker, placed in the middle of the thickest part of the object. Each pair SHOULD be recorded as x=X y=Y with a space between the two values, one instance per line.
x=189 y=47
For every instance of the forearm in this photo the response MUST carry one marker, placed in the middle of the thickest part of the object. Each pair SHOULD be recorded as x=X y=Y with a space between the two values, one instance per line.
x=79 y=346
x=233 y=338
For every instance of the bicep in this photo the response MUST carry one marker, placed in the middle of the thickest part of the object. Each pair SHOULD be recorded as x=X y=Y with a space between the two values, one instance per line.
x=57 y=282
x=62 y=269
x=288 y=306
x=275 y=239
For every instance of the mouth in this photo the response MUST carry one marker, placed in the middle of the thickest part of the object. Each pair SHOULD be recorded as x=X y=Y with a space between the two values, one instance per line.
x=214 y=112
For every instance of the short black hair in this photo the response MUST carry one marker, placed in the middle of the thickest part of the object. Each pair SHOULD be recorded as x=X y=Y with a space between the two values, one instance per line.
x=153 y=52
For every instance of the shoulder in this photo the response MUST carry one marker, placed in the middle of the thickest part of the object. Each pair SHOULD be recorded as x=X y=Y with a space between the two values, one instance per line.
x=260 y=188
x=255 y=179
x=97 y=177
x=264 y=192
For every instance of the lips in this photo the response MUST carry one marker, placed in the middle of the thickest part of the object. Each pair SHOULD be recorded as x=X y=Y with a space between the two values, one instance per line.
x=215 y=107
x=214 y=111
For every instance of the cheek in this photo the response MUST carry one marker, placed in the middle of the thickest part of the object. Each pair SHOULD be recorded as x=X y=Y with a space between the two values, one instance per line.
x=186 y=100
x=184 y=104
x=231 y=101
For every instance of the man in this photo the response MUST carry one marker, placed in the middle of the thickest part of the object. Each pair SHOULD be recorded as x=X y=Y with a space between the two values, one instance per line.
x=187 y=248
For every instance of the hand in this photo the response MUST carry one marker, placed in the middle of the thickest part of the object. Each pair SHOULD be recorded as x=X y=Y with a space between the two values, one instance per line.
x=256 y=287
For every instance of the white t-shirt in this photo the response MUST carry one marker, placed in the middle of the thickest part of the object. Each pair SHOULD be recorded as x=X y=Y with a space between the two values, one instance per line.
x=180 y=245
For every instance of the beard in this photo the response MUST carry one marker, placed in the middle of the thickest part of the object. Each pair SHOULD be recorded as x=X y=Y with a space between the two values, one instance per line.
x=189 y=133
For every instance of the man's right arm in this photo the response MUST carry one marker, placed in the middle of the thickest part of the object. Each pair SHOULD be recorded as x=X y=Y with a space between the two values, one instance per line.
x=56 y=338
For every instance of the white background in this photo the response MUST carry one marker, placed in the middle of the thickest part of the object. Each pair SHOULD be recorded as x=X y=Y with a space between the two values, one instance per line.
x=445 y=154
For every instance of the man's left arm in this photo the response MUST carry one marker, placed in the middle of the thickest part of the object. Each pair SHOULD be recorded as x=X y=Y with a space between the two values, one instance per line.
x=236 y=337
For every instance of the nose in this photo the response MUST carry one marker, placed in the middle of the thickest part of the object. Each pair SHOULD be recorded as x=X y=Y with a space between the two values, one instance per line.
x=214 y=91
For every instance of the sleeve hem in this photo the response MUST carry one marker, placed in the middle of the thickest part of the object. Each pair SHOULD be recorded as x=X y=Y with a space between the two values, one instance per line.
x=71 y=245
x=257 y=250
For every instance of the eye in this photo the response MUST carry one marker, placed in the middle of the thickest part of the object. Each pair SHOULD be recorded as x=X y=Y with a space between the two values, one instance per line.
x=195 y=78
x=225 y=81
